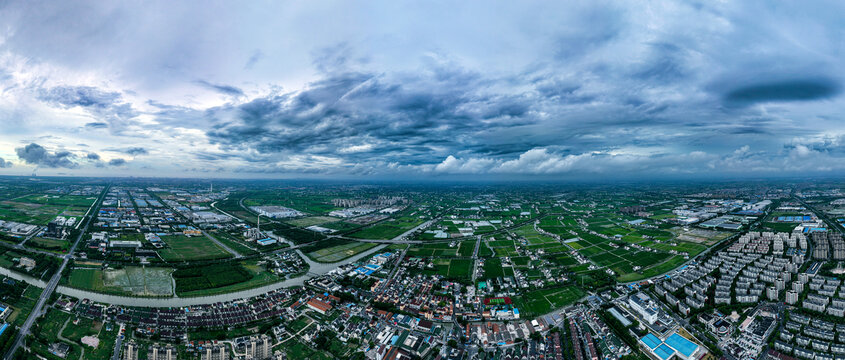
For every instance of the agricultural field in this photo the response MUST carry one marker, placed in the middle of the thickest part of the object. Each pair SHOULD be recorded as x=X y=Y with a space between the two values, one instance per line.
x=339 y=252
x=454 y=269
x=442 y=249
x=235 y=243
x=311 y=220
x=29 y=213
x=493 y=268
x=61 y=200
x=222 y=278
x=40 y=209
x=24 y=305
x=133 y=281
x=54 y=245
x=388 y=229
x=185 y=248
x=502 y=248
x=539 y=302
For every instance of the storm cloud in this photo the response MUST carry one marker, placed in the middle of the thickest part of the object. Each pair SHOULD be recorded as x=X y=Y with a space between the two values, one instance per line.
x=35 y=154
x=788 y=90
x=117 y=162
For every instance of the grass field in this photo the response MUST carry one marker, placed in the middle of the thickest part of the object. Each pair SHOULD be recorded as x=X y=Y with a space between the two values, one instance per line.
x=260 y=277
x=340 y=252
x=59 y=246
x=63 y=200
x=388 y=229
x=87 y=327
x=542 y=301
x=455 y=269
x=433 y=249
x=493 y=268
x=135 y=281
x=311 y=220
x=24 y=305
x=29 y=213
x=184 y=248
x=233 y=243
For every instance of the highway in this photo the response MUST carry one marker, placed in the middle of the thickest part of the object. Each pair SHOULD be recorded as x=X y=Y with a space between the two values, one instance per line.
x=54 y=281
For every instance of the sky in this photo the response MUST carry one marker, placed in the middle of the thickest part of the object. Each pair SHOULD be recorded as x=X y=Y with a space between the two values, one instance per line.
x=422 y=89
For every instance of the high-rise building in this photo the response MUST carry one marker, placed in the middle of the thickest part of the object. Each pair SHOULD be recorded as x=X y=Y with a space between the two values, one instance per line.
x=158 y=352
x=791 y=297
x=772 y=293
x=258 y=347
x=130 y=351
x=216 y=352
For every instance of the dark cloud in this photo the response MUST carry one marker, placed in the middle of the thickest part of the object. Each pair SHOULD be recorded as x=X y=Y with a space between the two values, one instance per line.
x=4 y=163
x=135 y=151
x=35 y=154
x=117 y=162
x=93 y=156
x=84 y=96
x=786 y=90
x=223 y=89
x=360 y=116
x=96 y=125
x=108 y=107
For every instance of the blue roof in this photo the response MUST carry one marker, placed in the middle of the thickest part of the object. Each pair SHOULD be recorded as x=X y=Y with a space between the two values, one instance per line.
x=681 y=344
x=3 y=328
x=664 y=352
x=651 y=341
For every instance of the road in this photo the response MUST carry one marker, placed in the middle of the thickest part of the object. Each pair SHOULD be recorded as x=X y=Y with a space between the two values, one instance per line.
x=37 y=231
x=234 y=253
x=475 y=259
x=54 y=281
x=317 y=269
x=393 y=271
x=117 y=343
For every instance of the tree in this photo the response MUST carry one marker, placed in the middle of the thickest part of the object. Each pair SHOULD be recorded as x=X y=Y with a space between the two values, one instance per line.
x=452 y=343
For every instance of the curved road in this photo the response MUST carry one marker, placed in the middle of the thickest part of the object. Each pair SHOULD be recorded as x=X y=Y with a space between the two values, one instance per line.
x=316 y=269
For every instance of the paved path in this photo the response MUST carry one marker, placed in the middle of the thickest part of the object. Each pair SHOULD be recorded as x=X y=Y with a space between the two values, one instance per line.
x=234 y=253
x=118 y=341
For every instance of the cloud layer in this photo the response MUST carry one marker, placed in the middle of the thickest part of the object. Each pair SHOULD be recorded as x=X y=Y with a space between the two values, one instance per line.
x=534 y=90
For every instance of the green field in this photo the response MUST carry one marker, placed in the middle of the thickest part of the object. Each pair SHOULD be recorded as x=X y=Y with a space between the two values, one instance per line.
x=24 y=305
x=134 y=281
x=493 y=269
x=222 y=278
x=388 y=229
x=340 y=252
x=29 y=213
x=433 y=250
x=184 y=248
x=454 y=269
x=87 y=327
x=539 y=302
x=311 y=220
x=54 y=245
x=61 y=200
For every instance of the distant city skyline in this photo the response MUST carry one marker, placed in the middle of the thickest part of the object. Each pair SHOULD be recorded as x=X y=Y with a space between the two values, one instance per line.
x=434 y=90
